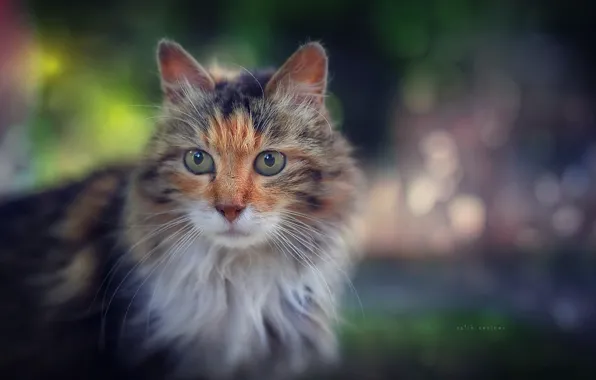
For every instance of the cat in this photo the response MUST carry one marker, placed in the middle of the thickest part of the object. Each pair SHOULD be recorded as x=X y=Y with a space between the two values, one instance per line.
x=220 y=253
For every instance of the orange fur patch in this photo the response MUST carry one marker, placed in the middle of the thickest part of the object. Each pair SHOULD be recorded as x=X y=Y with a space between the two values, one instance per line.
x=236 y=141
x=235 y=134
x=236 y=144
x=83 y=213
x=75 y=278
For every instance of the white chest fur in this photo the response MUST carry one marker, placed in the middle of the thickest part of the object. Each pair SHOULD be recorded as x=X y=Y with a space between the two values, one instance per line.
x=217 y=310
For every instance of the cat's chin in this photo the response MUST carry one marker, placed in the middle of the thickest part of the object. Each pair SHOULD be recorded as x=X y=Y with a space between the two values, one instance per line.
x=237 y=239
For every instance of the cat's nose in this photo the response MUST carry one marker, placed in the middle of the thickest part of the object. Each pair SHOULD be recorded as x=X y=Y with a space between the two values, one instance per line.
x=229 y=211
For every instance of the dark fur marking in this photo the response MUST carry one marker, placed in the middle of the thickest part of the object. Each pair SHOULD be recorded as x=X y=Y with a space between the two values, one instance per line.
x=271 y=332
x=161 y=200
x=302 y=176
x=221 y=85
x=149 y=175
x=316 y=175
x=314 y=203
x=169 y=157
x=313 y=136
x=258 y=121
x=310 y=200
x=240 y=93
x=292 y=179
x=303 y=135
x=334 y=174
x=275 y=133
x=159 y=196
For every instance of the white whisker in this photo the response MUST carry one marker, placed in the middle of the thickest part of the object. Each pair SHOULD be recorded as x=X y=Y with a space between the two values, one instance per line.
x=162 y=228
x=309 y=263
x=183 y=237
x=320 y=252
x=144 y=259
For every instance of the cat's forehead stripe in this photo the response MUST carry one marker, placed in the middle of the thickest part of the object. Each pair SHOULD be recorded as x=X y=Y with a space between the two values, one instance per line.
x=234 y=133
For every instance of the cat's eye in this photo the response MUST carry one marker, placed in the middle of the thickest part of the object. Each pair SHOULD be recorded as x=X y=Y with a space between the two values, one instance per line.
x=199 y=162
x=270 y=163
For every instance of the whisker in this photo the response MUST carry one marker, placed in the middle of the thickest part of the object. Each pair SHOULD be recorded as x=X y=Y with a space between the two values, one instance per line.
x=155 y=106
x=252 y=75
x=145 y=258
x=172 y=117
x=308 y=217
x=121 y=259
x=183 y=237
x=188 y=95
x=311 y=265
x=319 y=251
x=169 y=211
x=195 y=233
x=282 y=245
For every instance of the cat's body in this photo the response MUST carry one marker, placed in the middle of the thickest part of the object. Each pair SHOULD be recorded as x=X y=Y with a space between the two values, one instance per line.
x=54 y=249
x=221 y=253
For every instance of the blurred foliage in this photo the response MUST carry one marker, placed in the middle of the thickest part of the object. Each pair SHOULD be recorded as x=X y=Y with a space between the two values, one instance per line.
x=87 y=115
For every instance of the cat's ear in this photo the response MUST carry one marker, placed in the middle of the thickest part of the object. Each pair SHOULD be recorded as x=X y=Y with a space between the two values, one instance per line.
x=304 y=75
x=178 y=68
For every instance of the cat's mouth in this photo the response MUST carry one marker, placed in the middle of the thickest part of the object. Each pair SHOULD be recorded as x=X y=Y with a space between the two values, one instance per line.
x=231 y=232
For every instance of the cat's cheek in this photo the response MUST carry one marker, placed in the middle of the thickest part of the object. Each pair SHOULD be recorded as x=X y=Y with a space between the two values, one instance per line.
x=266 y=200
x=196 y=187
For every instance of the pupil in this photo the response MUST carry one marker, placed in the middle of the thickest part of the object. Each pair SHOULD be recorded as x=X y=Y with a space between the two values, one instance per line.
x=198 y=158
x=269 y=160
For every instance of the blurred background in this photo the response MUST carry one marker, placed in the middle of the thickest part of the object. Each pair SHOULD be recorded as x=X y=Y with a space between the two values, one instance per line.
x=475 y=122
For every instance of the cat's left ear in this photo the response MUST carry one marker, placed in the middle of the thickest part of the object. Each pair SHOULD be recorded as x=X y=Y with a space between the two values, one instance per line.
x=176 y=67
x=304 y=75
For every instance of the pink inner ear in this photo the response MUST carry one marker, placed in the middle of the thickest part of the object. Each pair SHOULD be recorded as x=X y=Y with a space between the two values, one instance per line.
x=176 y=66
x=304 y=73
x=309 y=67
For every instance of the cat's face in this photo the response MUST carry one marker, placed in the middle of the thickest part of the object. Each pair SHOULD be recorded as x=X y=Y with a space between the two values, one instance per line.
x=248 y=159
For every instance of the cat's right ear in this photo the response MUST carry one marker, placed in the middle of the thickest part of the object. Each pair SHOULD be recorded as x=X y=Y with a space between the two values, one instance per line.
x=178 y=69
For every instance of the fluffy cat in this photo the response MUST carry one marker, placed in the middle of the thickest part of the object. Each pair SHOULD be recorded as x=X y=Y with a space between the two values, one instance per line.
x=220 y=253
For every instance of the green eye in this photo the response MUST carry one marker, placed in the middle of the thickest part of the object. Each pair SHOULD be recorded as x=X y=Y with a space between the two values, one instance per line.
x=199 y=162
x=270 y=163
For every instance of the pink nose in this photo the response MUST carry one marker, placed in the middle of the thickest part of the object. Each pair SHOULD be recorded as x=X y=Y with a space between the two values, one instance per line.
x=230 y=212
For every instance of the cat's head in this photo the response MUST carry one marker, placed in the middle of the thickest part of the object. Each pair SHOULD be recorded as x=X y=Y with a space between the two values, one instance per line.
x=247 y=157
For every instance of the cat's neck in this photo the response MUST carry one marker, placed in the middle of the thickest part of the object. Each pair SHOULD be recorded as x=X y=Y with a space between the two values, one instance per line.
x=233 y=298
